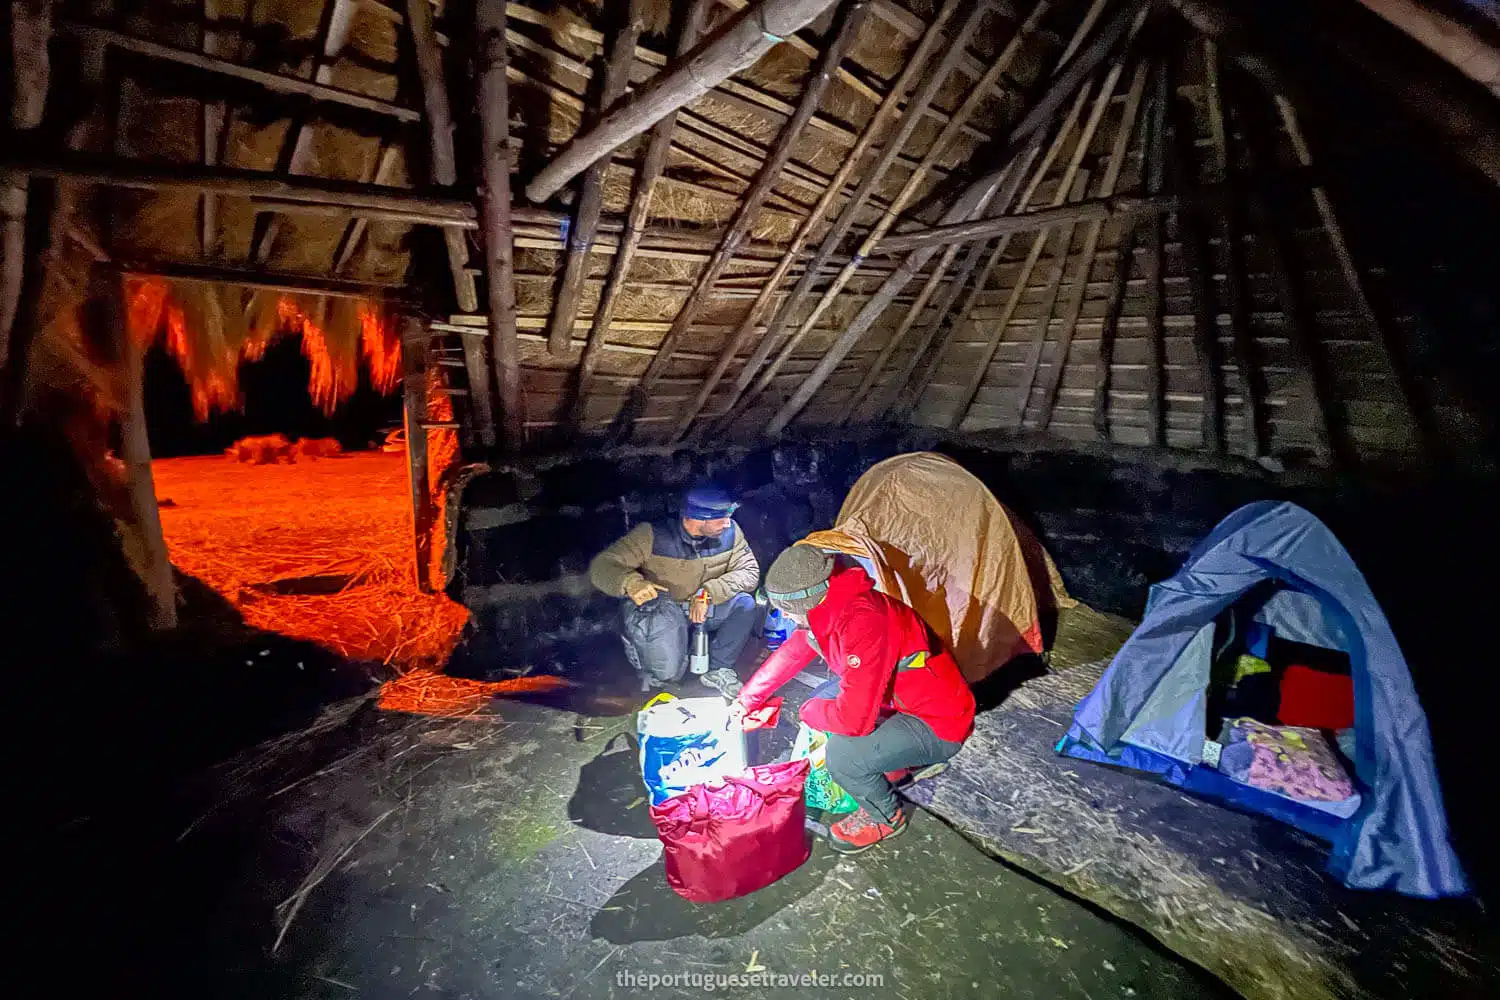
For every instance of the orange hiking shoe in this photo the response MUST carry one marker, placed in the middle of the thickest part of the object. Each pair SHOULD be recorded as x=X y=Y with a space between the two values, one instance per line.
x=859 y=831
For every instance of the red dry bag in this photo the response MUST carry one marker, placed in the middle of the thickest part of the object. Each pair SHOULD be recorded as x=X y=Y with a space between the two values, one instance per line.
x=734 y=835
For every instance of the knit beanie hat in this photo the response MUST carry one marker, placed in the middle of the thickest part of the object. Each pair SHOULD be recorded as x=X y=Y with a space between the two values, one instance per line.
x=707 y=502
x=798 y=579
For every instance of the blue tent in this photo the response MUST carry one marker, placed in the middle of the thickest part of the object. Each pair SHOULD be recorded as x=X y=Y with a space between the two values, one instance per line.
x=1149 y=709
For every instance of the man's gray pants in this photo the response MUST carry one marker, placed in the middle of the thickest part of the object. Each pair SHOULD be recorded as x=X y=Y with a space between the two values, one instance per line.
x=657 y=635
x=859 y=763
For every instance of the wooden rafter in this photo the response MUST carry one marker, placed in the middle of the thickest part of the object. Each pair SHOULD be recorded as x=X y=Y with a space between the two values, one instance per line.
x=1072 y=186
x=1074 y=307
x=935 y=79
x=31 y=31
x=874 y=131
x=739 y=43
x=499 y=260
x=444 y=163
x=277 y=83
x=414 y=344
x=1063 y=84
x=262 y=278
x=1109 y=327
x=1183 y=170
x=1155 y=239
x=852 y=17
x=647 y=172
x=590 y=202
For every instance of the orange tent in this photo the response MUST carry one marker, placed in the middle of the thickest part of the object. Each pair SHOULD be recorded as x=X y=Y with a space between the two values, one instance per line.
x=940 y=541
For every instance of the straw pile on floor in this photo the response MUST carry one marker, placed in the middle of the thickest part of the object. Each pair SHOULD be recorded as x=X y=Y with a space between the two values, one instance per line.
x=321 y=550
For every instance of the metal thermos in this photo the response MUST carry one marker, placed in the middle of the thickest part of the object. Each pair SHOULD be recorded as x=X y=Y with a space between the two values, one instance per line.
x=698 y=661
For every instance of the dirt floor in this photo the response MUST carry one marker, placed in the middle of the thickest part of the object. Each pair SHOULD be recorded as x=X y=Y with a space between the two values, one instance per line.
x=318 y=550
x=389 y=855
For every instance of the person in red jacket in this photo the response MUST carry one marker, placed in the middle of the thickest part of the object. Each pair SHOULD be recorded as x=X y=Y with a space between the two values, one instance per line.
x=899 y=700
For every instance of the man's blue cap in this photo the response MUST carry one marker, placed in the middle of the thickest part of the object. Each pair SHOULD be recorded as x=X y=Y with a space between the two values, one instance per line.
x=706 y=502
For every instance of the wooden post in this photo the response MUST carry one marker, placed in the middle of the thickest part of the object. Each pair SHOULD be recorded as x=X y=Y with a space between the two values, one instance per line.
x=1183 y=170
x=1156 y=144
x=738 y=44
x=108 y=295
x=1101 y=209
x=1236 y=296
x=215 y=114
x=590 y=201
x=355 y=198
x=414 y=342
x=647 y=172
x=30 y=33
x=494 y=125
x=874 y=130
x=1071 y=186
x=1074 y=307
x=1066 y=81
x=846 y=33
x=445 y=173
x=1114 y=305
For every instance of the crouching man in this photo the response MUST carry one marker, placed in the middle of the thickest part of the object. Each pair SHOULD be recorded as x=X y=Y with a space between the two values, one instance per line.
x=692 y=569
x=897 y=700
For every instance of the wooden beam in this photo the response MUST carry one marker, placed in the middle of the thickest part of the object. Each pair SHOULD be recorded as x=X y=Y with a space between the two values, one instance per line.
x=108 y=294
x=442 y=162
x=1364 y=311
x=976 y=95
x=874 y=131
x=738 y=44
x=1451 y=41
x=1236 y=296
x=240 y=183
x=846 y=29
x=272 y=281
x=31 y=70
x=590 y=200
x=1103 y=209
x=1155 y=169
x=414 y=342
x=214 y=117
x=1184 y=173
x=924 y=95
x=354 y=230
x=275 y=82
x=499 y=260
x=647 y=172
x=1063 y=84
x=1074 y=307
x=1071 y=186
x=1113 y=306
x=831 y=192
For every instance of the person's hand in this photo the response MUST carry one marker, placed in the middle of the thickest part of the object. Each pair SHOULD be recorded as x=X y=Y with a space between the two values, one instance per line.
x=737 y=716
x=698 y=609
x=647 y=591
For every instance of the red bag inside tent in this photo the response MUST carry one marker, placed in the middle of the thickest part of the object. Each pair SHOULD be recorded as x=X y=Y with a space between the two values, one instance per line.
x=730 y=837
x=1316 y=699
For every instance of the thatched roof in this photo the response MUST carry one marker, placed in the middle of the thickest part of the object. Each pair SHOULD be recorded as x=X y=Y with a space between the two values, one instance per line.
x=1231 y=282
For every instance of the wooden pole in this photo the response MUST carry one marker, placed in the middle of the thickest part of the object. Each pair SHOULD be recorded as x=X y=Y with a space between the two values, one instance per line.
x=414 y=342
x=135 y=451
x=1101 y=209
x=874 y=130
x=30 y=32
x=1074 y=307
x=851 y=19
x=1460 y=47
x=738 y=44
x=997 y=69
x=591 y=188
x=935 y=79
x=444 y=167
x=1236 y=296
x=499 y=260
x=276 y=83
x=647 y=172
x=1063 y=85
x=271 y=281
x=1156 y=143
x=241 y=183
x=214 y=116
x=1070 y=186
x=1113 y=306
x=1184 y=169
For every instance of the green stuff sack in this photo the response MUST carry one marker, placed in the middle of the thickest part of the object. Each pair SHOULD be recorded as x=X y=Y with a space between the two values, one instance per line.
x=821 y=791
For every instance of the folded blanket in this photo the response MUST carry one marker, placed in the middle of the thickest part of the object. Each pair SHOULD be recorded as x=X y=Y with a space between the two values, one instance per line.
x=1291 y=760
